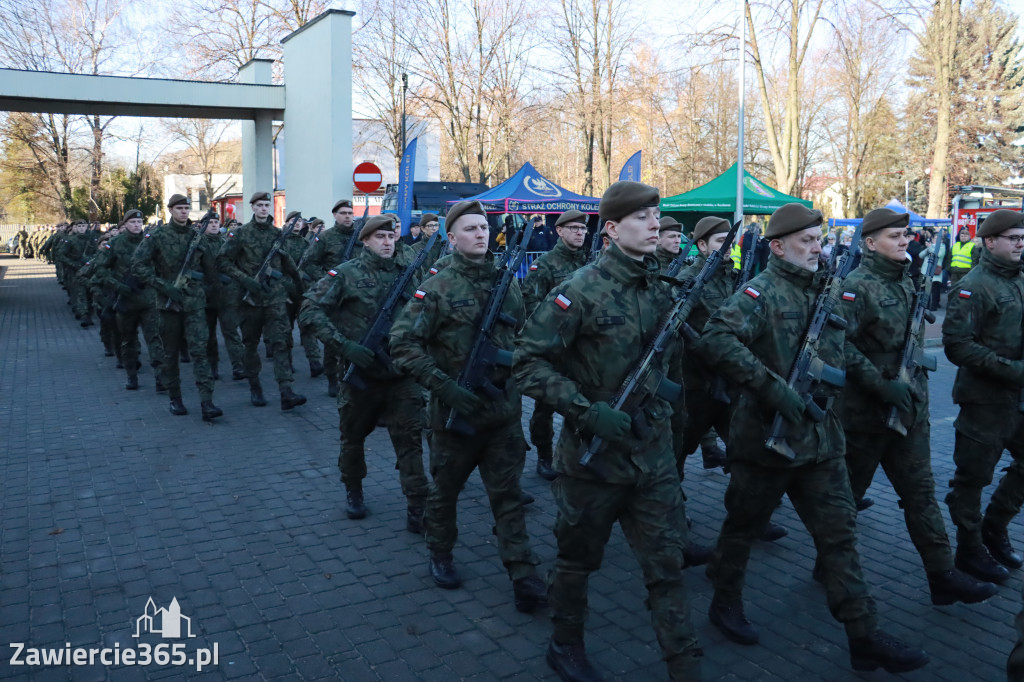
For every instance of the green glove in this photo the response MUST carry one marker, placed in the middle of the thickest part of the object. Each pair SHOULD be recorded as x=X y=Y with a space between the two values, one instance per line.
x=898 y=394
x=604 y=421
x=251 y=285
x=465 y=402
x=784 y=400
x=174 y=293
x=358 y=354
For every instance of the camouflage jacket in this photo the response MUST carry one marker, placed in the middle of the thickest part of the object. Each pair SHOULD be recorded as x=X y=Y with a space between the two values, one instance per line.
x=664 y=257
x=159 y=257
x=295 y=245
x=70 y=250
x=695 y=368
x=876 y=303
x=982 y=331
x=243 y=253
x=348 y=299
x=553 y=268
x=327 y=250
x=579 y=346
x=113 y=267
x=437 y=252
x=218 y=293
x=757 y=332
x=432 y=336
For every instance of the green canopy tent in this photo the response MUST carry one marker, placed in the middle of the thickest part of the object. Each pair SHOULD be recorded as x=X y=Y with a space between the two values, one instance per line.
x=718 y=198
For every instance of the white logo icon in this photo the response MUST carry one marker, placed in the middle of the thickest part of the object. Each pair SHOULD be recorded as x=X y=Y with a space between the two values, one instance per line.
x=164 y=622
x=542 y=187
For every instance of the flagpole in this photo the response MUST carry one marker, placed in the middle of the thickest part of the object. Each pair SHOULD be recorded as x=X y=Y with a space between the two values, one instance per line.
x=738 y=213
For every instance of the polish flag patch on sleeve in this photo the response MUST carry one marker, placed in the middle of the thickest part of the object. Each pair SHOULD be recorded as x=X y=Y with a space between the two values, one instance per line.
x=420 y=294
x=433 y=271
x=332 y=273
x=752 y=292
x=106 y=245
x=562 y=302
x=533 y=267
x=849 y=296
x=964 y=293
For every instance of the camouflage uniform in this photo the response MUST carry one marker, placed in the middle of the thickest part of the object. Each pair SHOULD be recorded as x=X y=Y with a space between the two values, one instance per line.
x=982 y=335
x=70 y=254
x=877 y=302
x=240 y=257
x=345 y=303
x=294 y=246
x=46 y=250
x=24 y=248
x=135 y=306
x=544 y=274
x=752 y=339
x=430 y=340
x=576 y=350
x=218 y=297
x=103 y=304
x=437 y=251
x=156 y=262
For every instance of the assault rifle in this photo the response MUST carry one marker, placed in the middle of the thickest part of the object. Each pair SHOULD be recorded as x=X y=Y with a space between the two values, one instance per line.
x=483 y=354
x=265 y=271
x=376 y=337
x=746 y=260
x=347 y=253
x=313 y=234
x=185 y=271
x=645 y=381
x=913 y=356
x=809 y=369
x=671 y=274
x=596 y=243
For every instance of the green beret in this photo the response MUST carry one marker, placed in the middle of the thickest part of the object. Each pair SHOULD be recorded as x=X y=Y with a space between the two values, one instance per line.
x=292 y=215
x=260 y=196
x=316 y=224
x=428 y=218
x=791 y=218
x=1000 y=221
x=669 y=224
x=134 y=213
x=385 y=221
x=571 y=216
x=463 y=208
x=177 y=200
x=881 y=218
x=624 y=197
x=709 y=226
x=341 y=203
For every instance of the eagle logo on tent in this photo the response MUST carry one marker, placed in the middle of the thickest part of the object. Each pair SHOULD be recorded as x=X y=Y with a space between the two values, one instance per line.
x=756 y=187
x=542 y=187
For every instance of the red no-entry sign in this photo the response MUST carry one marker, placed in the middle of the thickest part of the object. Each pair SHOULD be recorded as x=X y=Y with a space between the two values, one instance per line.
x=367 y=177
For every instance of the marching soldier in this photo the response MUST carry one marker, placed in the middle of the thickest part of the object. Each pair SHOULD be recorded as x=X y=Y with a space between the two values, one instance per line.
x=877 y=302
x=263 y=314
x=982 y=335
x=670 y=235
x=544 y=274
x=229 y=311
x=429 y=224
x=753 y=340
x=70 y=254
x=24 y=248
x=602 y=318
x=295 y=246
x=431 y=340
x=157 y=262
x=340 y=308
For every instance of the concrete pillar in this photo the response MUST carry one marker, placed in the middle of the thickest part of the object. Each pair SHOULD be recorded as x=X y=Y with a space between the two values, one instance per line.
x=318 y=114
x=257 y=139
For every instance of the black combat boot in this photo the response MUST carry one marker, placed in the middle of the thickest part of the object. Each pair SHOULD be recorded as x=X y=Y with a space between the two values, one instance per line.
x=237 y=374
x=178 y=407
x=525 y=497
x=442 y=568
x=773 y=532
x=863 y=503
x=997 y=541
x=976 y=561
x=108 y=351
x=211 y=411
x=949 y=587
x=544 y=468
x=530 y=593
x=132 y=384
x=571 y=663
x=696 y=554
x=160 y=388
x=356 y=509
x=185 y=358
x=414 y=519
x=729 y=618
x=86 y=321
x=290 y=399
x=333 y=386
x=316 y=368
x=712 y=456
x=882 y=650
x=256 y=394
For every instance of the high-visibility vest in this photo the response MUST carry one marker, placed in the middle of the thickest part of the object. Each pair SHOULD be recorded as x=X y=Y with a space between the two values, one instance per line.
x=962 y=255
x=735 y=254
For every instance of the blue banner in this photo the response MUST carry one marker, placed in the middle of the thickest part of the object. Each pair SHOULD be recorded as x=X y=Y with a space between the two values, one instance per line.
x=406 y=176
x=631 y=169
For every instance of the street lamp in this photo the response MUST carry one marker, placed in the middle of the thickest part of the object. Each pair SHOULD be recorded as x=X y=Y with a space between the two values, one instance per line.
x=405 y=88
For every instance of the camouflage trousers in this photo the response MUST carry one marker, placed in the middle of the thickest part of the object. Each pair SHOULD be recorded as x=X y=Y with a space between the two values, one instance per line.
x=907 y=463
x=128 y=325
x=400 y=403
x=307 y=337
x=542 y=430
x=703 y=413
x=651 y=514
x=271 y=323
x=499 y=453
x=230 y=320
x=820 y=492
x=78 y=292
x=190 y=326
x=982 y=433
x=232 y=339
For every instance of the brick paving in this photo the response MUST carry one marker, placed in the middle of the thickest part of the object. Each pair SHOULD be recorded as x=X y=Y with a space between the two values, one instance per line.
x=108 y=500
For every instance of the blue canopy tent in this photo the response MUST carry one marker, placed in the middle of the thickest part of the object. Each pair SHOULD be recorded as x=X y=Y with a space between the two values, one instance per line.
x=530 y=192
x=915 y=219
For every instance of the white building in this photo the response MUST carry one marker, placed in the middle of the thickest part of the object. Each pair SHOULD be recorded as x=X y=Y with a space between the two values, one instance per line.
x=194 y=187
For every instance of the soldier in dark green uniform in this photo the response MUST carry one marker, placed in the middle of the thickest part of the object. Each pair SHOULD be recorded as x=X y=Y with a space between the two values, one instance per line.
x=877 y=301
x=544 y=274
x=340 y=308
x=157 y=262
x=230 y=313
x=429 y=224
x=70 y=253
x=431 y=340
x=983 y=336
x=327 y=250
x=24 y=249
x=296 y=244
x=103 y=300
x=753 y=340
x=602 y=318
x=263 y=313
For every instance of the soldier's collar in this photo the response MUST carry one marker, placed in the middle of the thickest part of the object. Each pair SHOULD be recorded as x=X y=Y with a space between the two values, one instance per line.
x=794 y=273
x=627 y=270
x=887 y=267
x=1003 y=268
x=465 y=265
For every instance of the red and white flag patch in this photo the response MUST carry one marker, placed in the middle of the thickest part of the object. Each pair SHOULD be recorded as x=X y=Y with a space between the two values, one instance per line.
x=533 y=267
x=849 y=296
x=964 y=293
x=433 y=271
x=420 y=294
x=332 y=273
x=562 y=302
x=752 y=292
x=106 y=245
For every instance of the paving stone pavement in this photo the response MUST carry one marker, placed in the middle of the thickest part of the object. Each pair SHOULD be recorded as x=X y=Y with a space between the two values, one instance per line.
x=107 y=500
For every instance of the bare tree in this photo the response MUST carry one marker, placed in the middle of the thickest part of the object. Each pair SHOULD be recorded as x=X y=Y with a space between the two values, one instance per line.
x=204 y=138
